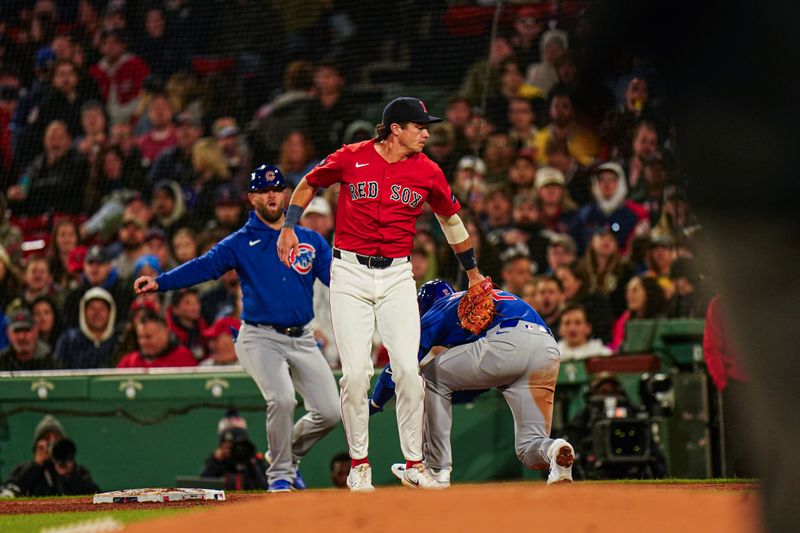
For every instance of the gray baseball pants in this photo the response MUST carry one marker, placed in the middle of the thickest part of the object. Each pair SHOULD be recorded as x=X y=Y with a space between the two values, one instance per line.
x=522 y=362
x=279 y=364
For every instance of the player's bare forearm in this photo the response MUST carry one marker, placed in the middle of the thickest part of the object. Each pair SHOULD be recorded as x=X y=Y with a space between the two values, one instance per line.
x=303 y=194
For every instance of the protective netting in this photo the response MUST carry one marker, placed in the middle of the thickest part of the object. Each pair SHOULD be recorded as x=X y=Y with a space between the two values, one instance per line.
x=135 y=125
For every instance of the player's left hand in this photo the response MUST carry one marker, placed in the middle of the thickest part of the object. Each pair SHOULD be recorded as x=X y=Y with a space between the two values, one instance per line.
x=287 y=241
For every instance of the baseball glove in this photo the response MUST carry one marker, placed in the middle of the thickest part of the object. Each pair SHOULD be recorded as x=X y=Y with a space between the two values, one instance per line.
x=476 y=309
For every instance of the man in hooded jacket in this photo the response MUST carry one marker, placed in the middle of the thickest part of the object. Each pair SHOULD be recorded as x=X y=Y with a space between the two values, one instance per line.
x=91 y=344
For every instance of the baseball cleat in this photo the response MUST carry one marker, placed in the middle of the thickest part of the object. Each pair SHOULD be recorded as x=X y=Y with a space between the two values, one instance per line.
x=561 y=457
x=418 y=477
x=280 y=485
x=299 y=483
x=441 y=476
x=360 y=478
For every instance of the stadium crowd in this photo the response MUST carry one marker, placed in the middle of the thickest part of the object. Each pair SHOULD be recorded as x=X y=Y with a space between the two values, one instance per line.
x=128 y=131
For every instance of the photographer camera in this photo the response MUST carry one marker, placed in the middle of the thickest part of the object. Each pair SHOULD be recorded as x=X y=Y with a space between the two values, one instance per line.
x=613 y=438
x=53 y=470
x=235 y=458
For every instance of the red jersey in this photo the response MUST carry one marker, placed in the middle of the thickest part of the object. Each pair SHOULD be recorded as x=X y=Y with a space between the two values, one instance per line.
x=180 y=356
x=379 y=202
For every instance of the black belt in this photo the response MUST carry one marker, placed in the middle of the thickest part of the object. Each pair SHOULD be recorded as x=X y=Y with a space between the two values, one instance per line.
x=291 y=331
x=370 y=261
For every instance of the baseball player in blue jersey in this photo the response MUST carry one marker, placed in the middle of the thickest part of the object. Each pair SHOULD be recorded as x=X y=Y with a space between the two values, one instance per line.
x=516 y=354
x=275 y=345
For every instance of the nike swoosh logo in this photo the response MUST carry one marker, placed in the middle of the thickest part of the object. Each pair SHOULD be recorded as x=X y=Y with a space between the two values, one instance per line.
x=253 y=243
x=359 y=165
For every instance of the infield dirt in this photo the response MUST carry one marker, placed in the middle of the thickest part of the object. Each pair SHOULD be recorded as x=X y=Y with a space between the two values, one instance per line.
x=508 y=507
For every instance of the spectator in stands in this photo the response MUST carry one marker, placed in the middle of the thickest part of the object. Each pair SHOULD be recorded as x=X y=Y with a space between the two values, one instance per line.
x=146 y=265
x=9 y=96
x=645 y=300
x=544 y=75
x=155 y=243
x=184 y=245
x=94 y=132
x=10 y=279
x=498 y=155
x=441 y=148
x=28 y=105
x=608 y=273
x=131 y=236
x=55 y=180
x=43 y=311
x=297 y=157
x=176 y=163
x=319 y=217
x=220 y=342
x=222 y=298
x=659 y=257
x=112 y=176
x=576 y=336
x=53 y=470
x=689 y=299
x=91 y=344
x=340 y=469
x=651 y=193
x=555 y=204
x=38 y=280
x=578 y=290
x=63 y=103
x=122 y=138
x=620 y=122
x=477 y=131
x=152 y=45
x=644 y=148
x=483 y=77
x=522 y=175
x=120 y=75
x=211 y=171
x=63 y=239
x=288 y=112
x=235 y=458
x=517 y=272
x=157 y=346
x=457 y=114
x=498 y=209
x=576 y=176
x=10 y=235
x=169 y=207
x=127 y=341
x=97 y=272
x=548 y=300
x=582 y=143
x=235 y=149
x=528 y=26
x=525 y=236
x=25 y=351
x=332 y=109
x=470 y=170
x=610 y=208
x=161 y=134
x=186 y=322
x=512 y=85
x=522 y=128
x=677 y=221
x=560 y=252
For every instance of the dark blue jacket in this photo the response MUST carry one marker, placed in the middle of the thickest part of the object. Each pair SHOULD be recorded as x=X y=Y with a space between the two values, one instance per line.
x=75 y=350
x=271 y=293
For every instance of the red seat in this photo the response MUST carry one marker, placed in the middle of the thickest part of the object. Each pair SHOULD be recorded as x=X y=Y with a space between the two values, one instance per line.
x=204 y=65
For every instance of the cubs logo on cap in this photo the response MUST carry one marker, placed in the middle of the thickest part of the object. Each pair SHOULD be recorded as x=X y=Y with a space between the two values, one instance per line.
x=266 y=176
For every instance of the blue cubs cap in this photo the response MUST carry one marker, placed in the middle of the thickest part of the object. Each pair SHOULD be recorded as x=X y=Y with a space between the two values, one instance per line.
x=266 y=176
x=429 y=293
x=407 y=109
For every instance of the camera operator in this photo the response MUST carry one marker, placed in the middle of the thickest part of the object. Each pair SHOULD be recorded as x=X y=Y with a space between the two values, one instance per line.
x=53 y=470
x=235 y=458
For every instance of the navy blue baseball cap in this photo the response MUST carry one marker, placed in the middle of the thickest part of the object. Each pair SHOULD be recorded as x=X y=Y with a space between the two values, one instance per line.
x=432 y=291
x=407 y=109
x=265 y=177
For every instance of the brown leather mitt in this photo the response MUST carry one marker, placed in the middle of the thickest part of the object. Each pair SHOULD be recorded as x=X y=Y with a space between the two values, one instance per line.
x=476 y=309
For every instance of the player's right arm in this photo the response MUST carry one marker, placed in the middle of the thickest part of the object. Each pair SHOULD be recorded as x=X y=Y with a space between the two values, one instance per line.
x=210 y=265
x=325 y=174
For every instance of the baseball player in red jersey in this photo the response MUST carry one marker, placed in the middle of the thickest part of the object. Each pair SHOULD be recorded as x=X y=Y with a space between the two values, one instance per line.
x=384 y=182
